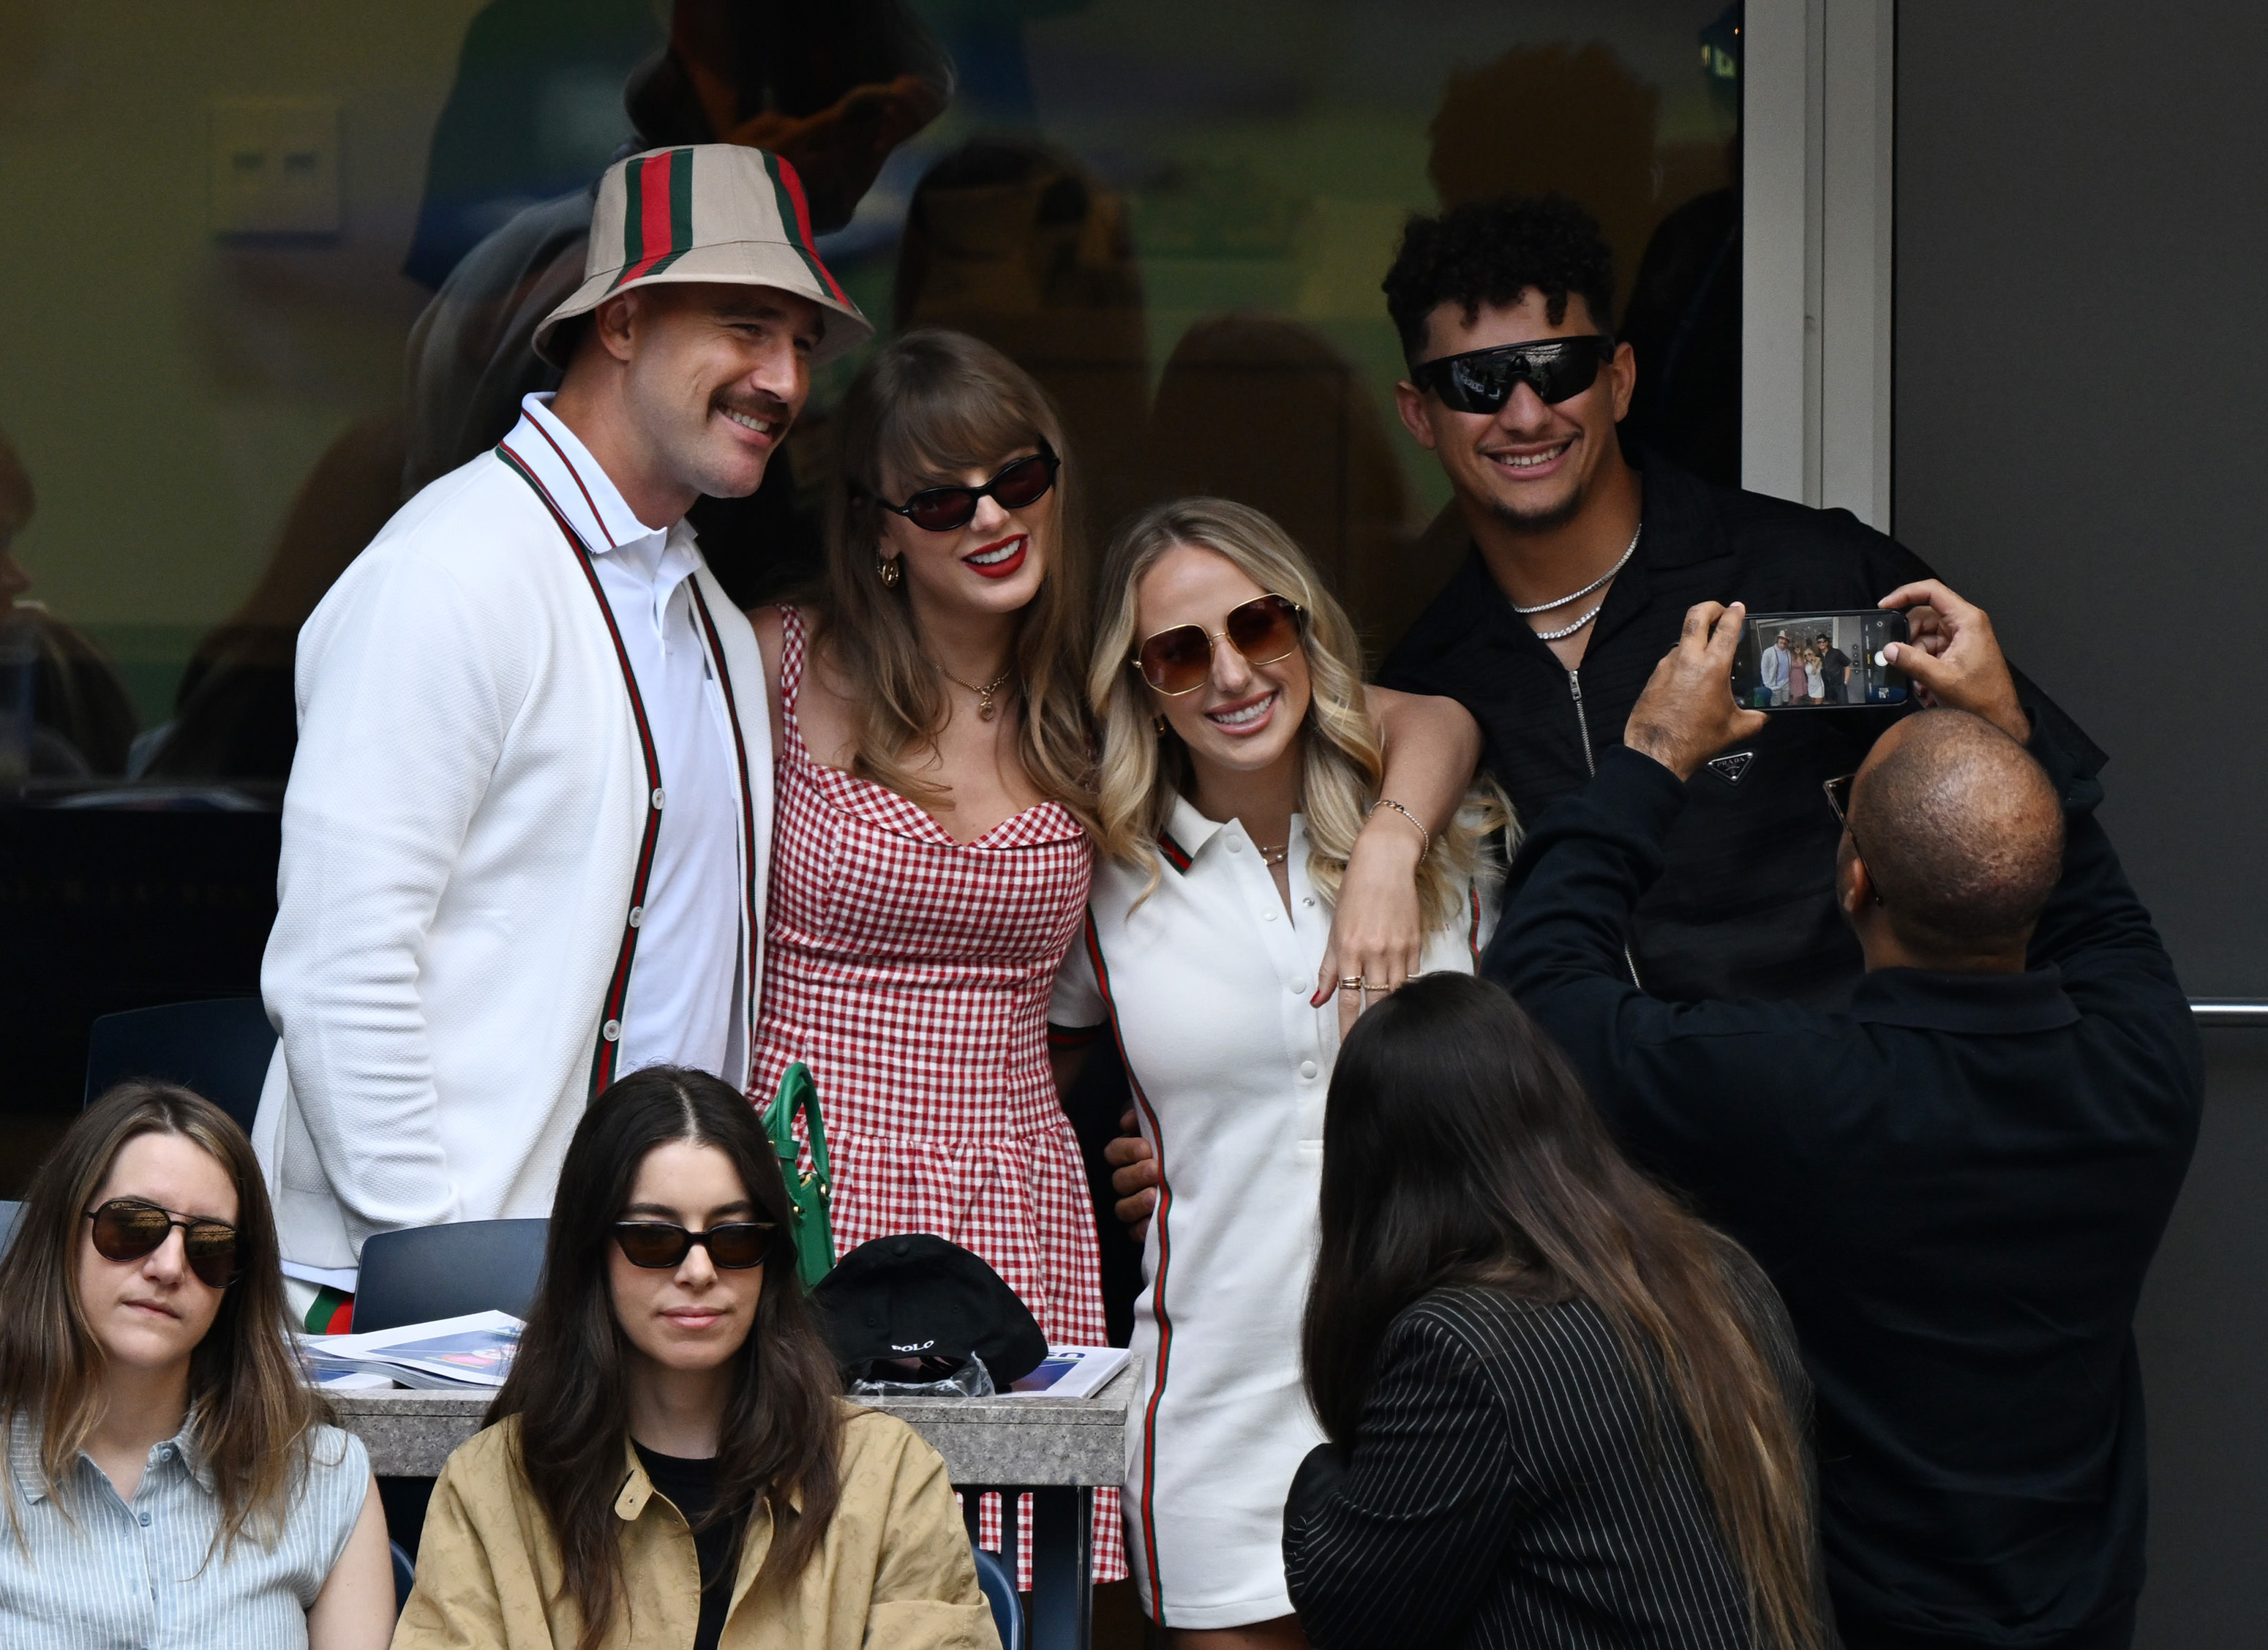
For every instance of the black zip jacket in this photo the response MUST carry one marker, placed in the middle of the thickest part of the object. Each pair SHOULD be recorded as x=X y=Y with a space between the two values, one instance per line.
x=1746 y=907
x=1957 y=1184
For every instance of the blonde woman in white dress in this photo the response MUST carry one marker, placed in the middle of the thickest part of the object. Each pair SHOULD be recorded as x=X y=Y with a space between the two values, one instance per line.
x=1240 y=757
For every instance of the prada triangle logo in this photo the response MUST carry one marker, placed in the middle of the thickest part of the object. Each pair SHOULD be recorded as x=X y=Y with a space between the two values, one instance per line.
x=1730 y=766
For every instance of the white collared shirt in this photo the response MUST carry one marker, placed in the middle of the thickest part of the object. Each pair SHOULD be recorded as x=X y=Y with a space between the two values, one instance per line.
x=683 y=983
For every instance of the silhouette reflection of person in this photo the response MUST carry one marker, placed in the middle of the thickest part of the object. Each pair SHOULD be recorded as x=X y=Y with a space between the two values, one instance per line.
x=1016 y=243
x=1264 y=411
x=833 y=85
x=1683 y=318
x=80 y=720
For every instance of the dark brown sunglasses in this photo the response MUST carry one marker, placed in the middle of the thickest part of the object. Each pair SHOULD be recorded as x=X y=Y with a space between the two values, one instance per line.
x=1263 y=629
x=658 y=1245
x=129 y=1229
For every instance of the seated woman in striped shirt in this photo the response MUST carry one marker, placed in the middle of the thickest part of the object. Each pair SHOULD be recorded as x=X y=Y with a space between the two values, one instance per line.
x=172 y=1481
x=1240 y=758
x=1562 y=1411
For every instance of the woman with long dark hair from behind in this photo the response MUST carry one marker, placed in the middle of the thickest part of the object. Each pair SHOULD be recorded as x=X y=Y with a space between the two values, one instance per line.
x=1562 y=1411
x=170 y=1479
x=670 y=1462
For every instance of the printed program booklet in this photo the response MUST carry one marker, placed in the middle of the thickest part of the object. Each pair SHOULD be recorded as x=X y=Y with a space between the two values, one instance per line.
x=473 y=1351
x=1071 y=1372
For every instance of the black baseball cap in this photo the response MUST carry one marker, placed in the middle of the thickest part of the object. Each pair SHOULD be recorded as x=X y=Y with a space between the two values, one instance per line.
x=917 y=1296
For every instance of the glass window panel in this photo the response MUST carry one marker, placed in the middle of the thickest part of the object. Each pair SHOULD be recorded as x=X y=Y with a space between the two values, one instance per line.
x=277 y=266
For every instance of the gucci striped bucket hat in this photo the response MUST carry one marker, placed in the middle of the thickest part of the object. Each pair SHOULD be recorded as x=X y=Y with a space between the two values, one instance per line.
x=707 y=212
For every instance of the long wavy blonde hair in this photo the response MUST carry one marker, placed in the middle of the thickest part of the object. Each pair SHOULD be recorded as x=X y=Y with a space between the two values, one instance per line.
x=926 y=407
x=1342 y=762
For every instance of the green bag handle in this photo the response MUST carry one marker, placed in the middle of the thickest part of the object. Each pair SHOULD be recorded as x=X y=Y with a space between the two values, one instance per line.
x=809 y=1194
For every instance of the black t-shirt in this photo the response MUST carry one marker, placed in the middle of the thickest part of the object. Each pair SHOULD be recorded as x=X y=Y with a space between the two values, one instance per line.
x=691 y=1487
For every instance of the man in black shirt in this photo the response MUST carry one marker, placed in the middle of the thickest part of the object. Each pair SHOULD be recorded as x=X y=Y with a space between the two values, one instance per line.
x=1604 y=557
x=1958 y=1181
x=1835 y=670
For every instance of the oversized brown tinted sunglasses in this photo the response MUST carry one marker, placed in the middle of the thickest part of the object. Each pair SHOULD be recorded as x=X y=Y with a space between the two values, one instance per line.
x=1263 y=629
x=129 y=1229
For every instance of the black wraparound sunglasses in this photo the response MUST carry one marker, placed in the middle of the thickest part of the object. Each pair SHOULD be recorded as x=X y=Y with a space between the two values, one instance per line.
x=1020 y=482
x=658 y=1245
x=1482 y=381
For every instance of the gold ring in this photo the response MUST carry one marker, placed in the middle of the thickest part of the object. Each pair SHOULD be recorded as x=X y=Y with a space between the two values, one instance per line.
x=1354 y=983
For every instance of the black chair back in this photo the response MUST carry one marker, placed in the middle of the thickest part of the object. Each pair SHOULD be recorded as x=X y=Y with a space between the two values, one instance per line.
x=444 y=1271
x=220 y=1048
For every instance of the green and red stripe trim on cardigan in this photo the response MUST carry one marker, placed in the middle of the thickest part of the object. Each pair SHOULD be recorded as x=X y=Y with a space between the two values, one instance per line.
x=657 y=214
x=747 y=800
x=605 y=1056
x=332 y=1311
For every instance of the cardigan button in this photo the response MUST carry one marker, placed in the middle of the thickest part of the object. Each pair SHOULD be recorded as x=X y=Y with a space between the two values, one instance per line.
x=638 y=914
x=1307 y=1069
x=612 y=1031
x=658 y=799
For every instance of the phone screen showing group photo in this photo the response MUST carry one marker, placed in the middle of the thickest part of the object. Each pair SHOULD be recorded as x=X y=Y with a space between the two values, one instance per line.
x=1818 y=662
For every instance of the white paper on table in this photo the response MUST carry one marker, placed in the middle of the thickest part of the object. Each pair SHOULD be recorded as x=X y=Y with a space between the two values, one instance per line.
x=474 y=1350
x=1071 y=1372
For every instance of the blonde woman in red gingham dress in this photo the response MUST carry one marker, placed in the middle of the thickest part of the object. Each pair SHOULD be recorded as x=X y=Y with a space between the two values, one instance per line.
x=930 y=858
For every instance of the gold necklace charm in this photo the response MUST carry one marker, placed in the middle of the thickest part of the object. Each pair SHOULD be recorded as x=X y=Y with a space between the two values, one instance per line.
x=985 y=708
x=1273 y=857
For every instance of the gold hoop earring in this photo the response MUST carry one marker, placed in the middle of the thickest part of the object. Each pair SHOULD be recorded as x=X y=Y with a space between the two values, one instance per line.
x=889 y=568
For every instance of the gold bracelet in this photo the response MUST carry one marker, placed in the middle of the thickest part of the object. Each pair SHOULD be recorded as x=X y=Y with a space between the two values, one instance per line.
x=1424 y=836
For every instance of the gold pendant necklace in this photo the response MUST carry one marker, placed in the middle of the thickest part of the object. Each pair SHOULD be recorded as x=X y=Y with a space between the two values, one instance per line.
x=1273 y=857
x=985 y=708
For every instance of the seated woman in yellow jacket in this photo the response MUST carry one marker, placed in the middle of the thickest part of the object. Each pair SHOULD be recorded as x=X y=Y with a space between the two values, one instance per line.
x=670 y=1462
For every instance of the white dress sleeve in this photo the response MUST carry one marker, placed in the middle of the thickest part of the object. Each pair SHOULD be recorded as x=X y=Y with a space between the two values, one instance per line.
x=1078 y=1001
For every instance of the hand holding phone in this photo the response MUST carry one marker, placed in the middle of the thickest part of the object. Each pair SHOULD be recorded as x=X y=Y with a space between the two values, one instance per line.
x=1685 y=716
x=1820 y=661
x=1955 y=658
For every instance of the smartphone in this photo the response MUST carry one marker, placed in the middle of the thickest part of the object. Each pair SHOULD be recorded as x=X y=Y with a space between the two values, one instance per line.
x=1819 y=661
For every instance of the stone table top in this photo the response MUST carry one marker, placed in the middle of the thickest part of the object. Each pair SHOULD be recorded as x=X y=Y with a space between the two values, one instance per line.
x=1021 y=1441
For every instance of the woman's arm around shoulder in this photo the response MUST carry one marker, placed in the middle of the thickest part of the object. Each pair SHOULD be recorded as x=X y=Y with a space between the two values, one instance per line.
x=1378 y=930
x=926 y=1594
x=1396 y=1543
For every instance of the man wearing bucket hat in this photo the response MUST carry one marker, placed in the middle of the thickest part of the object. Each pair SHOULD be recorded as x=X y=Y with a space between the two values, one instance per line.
x=527 y=830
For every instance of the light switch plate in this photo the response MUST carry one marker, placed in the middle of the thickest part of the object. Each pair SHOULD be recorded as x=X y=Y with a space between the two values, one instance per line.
x=275 y=166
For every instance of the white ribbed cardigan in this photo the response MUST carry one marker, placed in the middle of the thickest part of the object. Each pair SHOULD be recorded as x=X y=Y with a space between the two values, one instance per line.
x=460 y=834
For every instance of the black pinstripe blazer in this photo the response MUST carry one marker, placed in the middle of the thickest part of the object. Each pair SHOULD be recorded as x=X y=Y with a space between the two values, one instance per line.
x=1508 y=1491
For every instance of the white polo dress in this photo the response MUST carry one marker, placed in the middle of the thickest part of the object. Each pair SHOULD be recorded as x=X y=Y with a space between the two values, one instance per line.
x=1205 y=985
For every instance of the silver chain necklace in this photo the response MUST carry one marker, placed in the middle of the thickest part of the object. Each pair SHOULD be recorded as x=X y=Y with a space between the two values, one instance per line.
x=1546 y=607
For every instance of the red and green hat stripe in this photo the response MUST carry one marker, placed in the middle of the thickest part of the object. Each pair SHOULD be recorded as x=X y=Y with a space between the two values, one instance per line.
x=795 y=218
x=657 y=217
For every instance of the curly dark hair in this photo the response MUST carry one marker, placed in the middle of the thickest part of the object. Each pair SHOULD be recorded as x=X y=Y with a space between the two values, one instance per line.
x=1490 y=252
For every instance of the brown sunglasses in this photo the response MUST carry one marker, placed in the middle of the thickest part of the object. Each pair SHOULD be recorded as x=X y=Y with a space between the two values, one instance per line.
x=129 y=1229
x=1263 y=629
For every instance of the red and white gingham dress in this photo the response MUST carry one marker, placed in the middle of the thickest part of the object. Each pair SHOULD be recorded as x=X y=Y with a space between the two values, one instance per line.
x=911 y=973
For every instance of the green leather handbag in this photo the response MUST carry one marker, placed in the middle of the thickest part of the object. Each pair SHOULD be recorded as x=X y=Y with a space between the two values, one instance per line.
x=814 y=1239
